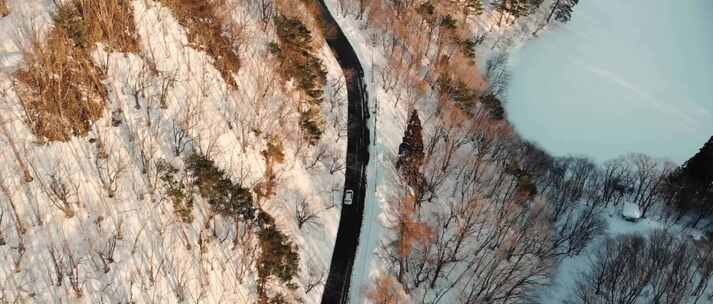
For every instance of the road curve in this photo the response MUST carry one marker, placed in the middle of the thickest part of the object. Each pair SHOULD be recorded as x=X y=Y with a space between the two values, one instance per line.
x=336 y=289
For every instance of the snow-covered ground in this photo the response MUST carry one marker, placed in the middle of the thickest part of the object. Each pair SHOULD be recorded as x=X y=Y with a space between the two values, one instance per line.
x=622 y=77
x=13 y=29
x=158 y=259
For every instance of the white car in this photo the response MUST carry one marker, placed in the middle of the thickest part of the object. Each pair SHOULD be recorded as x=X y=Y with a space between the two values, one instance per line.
x=348 y=196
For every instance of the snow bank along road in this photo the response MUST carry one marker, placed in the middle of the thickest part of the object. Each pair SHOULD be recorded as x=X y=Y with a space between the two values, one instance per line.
x=336 y=289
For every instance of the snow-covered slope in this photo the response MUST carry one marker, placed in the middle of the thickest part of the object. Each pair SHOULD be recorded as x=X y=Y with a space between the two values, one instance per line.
x=154 y=257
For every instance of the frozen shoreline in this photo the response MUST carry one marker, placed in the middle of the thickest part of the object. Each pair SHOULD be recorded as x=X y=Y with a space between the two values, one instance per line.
x=620 y=78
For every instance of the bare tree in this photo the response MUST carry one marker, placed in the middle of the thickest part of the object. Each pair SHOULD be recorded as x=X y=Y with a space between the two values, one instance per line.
x=576 y=230
x=168 y=81
x=704 y=267
x=615 y=181
x=180 y=139
x=144 y=150
x=334 y=162
x=648 y=178
x=72 y=268
x=234 y=20
x=138 y=86
x=4 y=189
x=2 y=234
x=27 y=177
x=62 y=194
x=266 y=10
x=110 y=168
x=497 y=74
x=58 y=265
x=314 y=279
x=569 y=180
x=185 y=121
x=106 y=254
x=318 y=153
x=304 y=213
x=659 y=268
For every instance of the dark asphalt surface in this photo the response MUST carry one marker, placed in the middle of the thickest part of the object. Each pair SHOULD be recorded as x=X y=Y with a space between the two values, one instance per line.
x=336 y=289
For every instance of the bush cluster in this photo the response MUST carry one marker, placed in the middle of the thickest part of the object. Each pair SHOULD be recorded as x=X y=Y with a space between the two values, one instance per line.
x=464 y=96
x=61 y=89
x=278 y=256
x=225 y=197
x=176 y=191
x=89 y=22
x=298 y=62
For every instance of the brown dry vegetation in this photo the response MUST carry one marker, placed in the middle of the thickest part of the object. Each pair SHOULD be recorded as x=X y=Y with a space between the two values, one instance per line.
x=4 y=10
x=310 y=13
x=107 y=21
x=61 y=89
x=206 y=26
x=385 y=290
x=418 y=30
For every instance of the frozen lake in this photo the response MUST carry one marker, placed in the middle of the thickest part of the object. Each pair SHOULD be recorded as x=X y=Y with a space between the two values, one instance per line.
x=622 y=76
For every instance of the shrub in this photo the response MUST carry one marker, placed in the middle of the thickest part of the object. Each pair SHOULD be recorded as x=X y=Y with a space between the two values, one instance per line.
x=494 y=106
x=275 y=151
x=60 y=89
x=224 y=197
x=468 y=48
x=108 y=21
x=278 y=256
x=298 y=62
x=176 y=191
x=313 y=124
x=459 y=91
x=274 y=154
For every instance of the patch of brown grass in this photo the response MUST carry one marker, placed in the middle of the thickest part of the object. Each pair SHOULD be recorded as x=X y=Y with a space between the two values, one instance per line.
x=4 y=10
x=61 y=88
x=205 y=24
x=91 y=21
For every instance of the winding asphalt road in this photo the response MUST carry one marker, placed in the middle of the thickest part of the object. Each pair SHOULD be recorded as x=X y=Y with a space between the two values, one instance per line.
x=336 y=289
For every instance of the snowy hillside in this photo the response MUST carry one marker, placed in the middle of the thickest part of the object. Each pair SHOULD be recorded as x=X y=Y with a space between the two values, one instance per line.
x=96 y=223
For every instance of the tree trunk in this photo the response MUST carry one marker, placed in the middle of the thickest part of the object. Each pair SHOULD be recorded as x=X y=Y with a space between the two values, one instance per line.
x=552 y=12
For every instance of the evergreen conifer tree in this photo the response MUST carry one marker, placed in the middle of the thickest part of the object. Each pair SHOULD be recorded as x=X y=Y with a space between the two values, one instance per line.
x=411 y=153
x=562 y=10
x=692 y=184
x=516 y=8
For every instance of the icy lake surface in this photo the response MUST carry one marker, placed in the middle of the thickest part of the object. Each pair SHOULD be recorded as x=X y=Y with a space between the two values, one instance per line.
x=623 y=76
